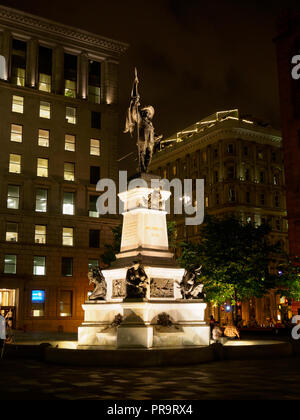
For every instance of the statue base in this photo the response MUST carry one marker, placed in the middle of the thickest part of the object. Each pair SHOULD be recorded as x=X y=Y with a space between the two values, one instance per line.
x=144 y=243
x=140 y=328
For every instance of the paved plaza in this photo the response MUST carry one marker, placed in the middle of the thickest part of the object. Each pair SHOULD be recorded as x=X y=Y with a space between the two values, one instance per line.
x=267 y=379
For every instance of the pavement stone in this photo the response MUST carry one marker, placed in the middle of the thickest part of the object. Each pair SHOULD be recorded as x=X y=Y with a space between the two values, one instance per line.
x=251 y=380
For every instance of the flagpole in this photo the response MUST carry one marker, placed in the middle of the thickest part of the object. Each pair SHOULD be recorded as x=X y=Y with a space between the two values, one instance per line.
x=137 y=118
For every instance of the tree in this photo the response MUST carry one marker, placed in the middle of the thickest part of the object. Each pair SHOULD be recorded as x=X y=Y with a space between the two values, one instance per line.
x=109 y=255
x=288 y=278
x=235 y=259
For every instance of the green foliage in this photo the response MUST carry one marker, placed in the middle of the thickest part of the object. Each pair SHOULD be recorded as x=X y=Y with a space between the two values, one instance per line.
x=234 y=257
x=171 y=227
x=288 y=278
x=109 y=255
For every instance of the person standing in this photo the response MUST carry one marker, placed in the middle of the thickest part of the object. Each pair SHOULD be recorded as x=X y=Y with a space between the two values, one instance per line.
x=212 y=323
x=2 y=333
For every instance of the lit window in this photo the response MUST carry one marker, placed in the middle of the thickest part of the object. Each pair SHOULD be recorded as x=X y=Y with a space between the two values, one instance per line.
x=41 y=201
x=69 y=171
x=15 y=164
x=3 y=73
x=70 y=143
x=13 y=197
x=94 y=82
x=45 y=68
x=70 y=88
x=95 y=147
x=40 y=234
x=45 y=83
x=18 y=77
x=45 y=110
x=10 y=264
x=12 y=232
x=39 y=266
x=68 y=237
x=44 y=138
x=71 y=115
x=65 y=303
x=18 y=104
x=16 y=133
x=94 y=94
x=18 y=62
x=68 y=204
x=42 y=167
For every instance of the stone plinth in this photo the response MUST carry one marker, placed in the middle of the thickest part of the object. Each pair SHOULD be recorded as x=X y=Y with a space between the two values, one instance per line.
x=139 y=327
x=145 y=243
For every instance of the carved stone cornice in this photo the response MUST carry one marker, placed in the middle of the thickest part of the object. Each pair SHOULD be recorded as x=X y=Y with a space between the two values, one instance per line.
x=225 y=132
x=16 y=19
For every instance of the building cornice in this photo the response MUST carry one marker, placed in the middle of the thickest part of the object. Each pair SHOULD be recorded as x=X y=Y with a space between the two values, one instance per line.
x=199 y=141
x=15 y=19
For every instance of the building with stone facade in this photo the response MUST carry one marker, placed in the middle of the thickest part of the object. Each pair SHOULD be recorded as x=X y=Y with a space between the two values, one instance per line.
x=58 y=132
x=288 y=47
x=241 y=161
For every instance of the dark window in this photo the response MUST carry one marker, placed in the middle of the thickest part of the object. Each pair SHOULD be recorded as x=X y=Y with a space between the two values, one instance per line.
x=230 y=172
x=261 y=177
x=45 y=60
x=94 y=175
x=262 y=199
x=94 y=238
x=247 y=174
x=230 y=148
x=246 y=150
x=247 y=197
x=70 y=67
x=232 y=196
x=65 y=303
x=67 y=267
x=96 y=119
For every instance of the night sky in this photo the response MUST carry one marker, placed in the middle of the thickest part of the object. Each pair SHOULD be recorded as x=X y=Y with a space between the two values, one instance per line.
x=194 y=57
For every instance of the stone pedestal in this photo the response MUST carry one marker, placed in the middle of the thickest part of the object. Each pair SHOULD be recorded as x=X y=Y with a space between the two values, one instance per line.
x=144 y=242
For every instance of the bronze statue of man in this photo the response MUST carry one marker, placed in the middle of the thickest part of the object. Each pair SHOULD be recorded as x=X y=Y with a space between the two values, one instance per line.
x=96 y=277
x=147 y=140
x=136 y=282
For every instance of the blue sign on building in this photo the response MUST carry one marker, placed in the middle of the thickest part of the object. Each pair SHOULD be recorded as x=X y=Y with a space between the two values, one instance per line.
x=38 y=296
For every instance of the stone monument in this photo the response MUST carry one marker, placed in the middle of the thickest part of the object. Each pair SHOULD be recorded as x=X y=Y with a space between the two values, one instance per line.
x=150 y=302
